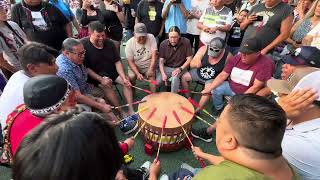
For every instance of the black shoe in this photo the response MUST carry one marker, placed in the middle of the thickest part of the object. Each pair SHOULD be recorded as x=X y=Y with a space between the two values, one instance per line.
x=128 y=126
x=201 y=134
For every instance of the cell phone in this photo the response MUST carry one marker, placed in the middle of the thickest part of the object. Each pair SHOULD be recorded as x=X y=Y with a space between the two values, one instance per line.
x=259 y=18
x=178 y=1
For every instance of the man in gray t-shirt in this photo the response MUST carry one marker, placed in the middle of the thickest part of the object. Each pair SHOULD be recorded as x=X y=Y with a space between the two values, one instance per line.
x=270 y=22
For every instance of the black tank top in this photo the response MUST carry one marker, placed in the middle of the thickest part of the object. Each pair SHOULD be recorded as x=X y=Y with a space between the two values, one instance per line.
x=209 y=71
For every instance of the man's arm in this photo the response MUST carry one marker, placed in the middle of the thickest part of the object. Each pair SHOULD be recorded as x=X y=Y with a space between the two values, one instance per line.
x=184 y=11
x=5 y=64
x=68 y=28
x=133 y=66
x=187 y=63
x=120 y=69
x=257 y=86
x=216 y=82
x=166 y=9
x=285 y=28
x=215 y=160
x=83 y=99
x=196 y=61
x=161 y=65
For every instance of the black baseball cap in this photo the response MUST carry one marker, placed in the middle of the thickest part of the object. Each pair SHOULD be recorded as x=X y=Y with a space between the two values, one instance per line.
x=305 y=55
x=251 y=45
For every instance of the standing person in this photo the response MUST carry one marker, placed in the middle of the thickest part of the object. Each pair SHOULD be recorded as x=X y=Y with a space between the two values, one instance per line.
x=36 y=59
x=270 y=22
x=197 y=9
x=141 y=52
x=89 y=14
x=236 y=34
x=249 y=4
x=130 y=13
x=215 y=22
x=11 y=39
x=175 y=55
x=42 y=22
x=114 y=17
x=175 y=13
x=234 y=5
x=104 y=65
x=66 y=11
x=149 y=13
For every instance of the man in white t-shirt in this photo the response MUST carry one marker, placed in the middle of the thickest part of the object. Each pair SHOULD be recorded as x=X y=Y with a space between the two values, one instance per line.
x=35 y=59
x=301 y=102
x=141 y=52
x=215 y=22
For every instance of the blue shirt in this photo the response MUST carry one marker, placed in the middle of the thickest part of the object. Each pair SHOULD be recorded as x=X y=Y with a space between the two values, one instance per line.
x=75 y=74
x=175 y=16
x=65 y=9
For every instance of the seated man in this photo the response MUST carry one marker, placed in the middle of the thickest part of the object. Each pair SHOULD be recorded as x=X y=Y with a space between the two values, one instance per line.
x=104 y=66
x=35 y=59
x=175 y=56
x=206 y=65
x=248 y=137
x=301 y=143
x=43 y=95
x=141 y=51
x=248 y=72
x=71 y=68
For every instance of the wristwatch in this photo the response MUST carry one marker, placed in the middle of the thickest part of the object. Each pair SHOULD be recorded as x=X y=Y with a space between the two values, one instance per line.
x=180 y=68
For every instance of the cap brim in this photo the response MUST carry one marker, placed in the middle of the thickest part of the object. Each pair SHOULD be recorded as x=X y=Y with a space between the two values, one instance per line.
x=279 y=86
x=246 y=51
x=289 y=59
x=140 y=34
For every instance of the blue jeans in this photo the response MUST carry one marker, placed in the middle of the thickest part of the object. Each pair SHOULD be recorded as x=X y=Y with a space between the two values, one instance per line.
x=218 y=93
x=233 y=50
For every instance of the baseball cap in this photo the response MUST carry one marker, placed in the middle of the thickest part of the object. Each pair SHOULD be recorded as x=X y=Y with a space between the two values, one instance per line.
x=305 y=55
x=140 y=29
x=250 y=45
x=306 y=77
x=216 y=46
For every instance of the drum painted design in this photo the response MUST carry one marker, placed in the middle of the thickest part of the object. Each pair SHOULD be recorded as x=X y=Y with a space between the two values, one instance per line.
x=173 y=136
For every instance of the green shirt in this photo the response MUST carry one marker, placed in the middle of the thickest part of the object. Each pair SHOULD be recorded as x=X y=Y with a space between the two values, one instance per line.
x=230 y=170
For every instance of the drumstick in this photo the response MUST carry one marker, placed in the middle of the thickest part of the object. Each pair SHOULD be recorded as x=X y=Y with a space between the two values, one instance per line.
x=125 y=105
x=202 y=164
x=145 y=90
x=197 y=105
x=136 y=134
x=149 y=116
x=198 y=117
x=152 y=81
x=184 y=91
x=163 y=126
x=139 y=111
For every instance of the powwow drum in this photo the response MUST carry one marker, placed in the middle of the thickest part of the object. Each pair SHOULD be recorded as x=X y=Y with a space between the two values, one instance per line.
x=173 y=136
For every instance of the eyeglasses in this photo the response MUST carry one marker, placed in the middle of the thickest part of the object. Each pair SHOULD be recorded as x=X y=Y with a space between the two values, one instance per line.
x=80 y=54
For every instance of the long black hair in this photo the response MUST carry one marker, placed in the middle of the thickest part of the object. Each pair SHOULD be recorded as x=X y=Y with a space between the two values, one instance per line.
x=69 y=147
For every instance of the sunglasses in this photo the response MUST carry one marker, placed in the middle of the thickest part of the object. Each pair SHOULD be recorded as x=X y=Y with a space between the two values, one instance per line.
x=214 y=49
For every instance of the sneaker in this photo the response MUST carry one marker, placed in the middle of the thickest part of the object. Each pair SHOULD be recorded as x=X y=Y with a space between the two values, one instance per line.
x=201 y=134
x=129 y=125
x=144 y=170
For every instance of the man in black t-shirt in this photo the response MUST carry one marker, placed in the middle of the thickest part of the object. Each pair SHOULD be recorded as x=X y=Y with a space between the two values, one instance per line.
x=130 y=15
x=42 y=22
x=104 y=66
x=270 y=22
x=149 y=13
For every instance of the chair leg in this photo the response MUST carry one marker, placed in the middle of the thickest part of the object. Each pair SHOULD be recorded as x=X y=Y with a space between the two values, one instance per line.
x=118 y=92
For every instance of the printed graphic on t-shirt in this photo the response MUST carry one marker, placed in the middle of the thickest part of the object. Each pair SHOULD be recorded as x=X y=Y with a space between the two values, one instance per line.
x=236 y=33
x=266 y=17
x=207 y=72
x=38 y=21
x=215 y=19
x=152 y=13
x=241 y=76
x=140 y=52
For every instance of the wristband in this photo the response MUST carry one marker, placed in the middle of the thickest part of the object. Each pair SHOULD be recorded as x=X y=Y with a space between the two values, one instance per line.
x=181 y=69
